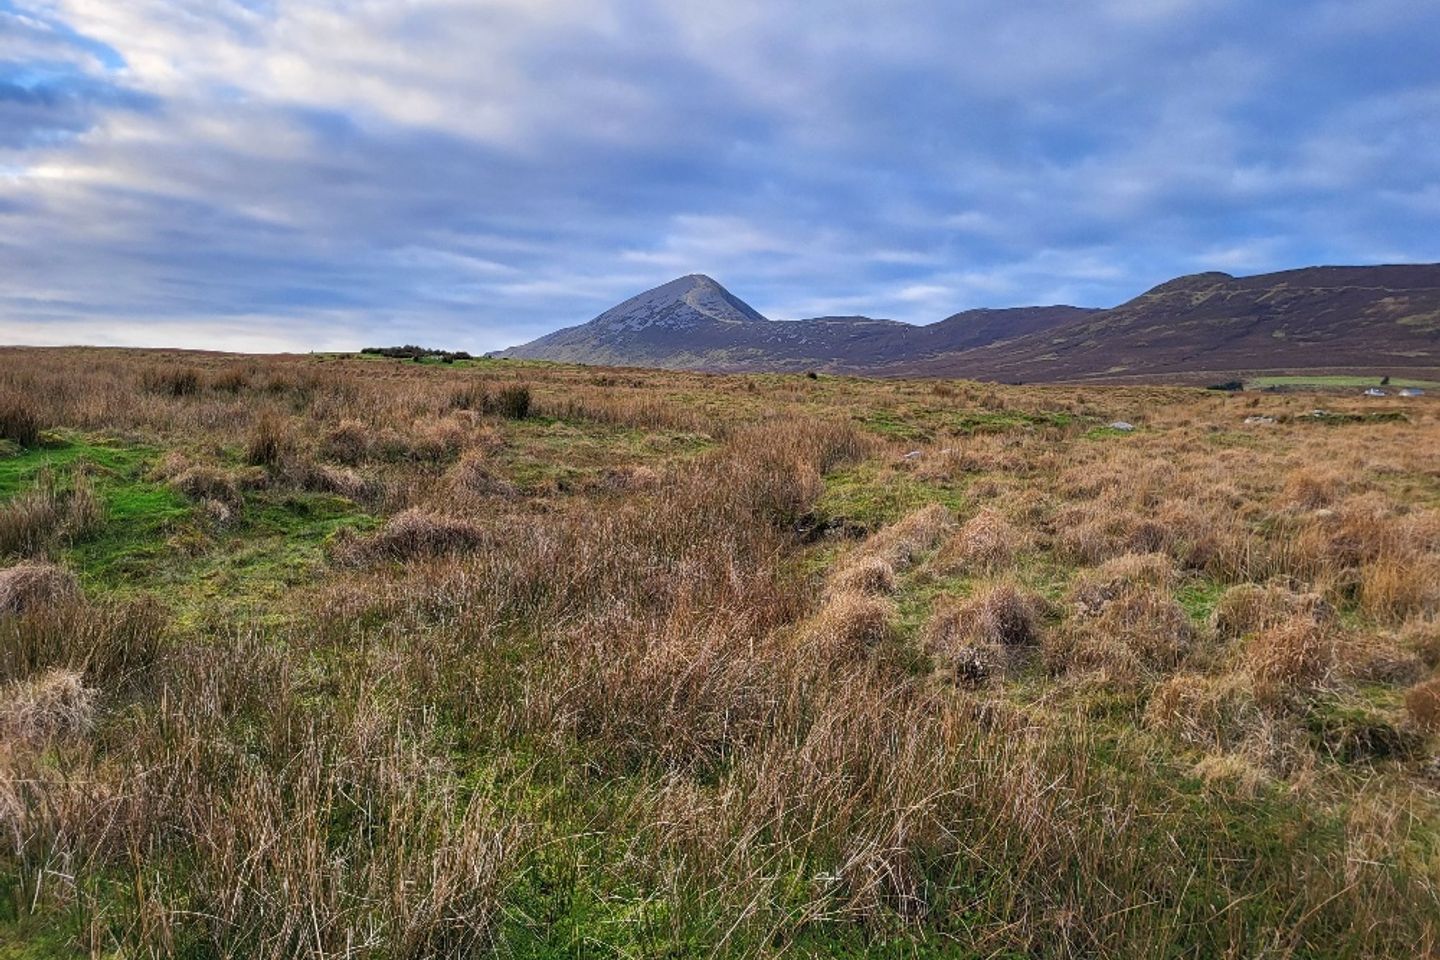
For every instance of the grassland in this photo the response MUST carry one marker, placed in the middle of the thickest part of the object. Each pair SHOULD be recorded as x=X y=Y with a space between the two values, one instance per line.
x=1322 y=381
x=330 y=656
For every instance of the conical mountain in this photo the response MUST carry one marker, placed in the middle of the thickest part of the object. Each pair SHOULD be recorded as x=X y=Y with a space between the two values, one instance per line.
x=669 y=326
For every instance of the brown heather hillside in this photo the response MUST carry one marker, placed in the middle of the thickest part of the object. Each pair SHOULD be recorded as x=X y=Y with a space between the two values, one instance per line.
x=332 y=656
x=1383 y=320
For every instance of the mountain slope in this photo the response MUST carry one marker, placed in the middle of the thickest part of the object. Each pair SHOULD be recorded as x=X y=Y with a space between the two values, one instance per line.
x=695 y=323
x=679 y=318
x=1318 y=318
x=1314 y=318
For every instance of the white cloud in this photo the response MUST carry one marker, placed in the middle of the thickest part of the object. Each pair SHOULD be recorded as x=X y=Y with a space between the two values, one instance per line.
x=358 y=168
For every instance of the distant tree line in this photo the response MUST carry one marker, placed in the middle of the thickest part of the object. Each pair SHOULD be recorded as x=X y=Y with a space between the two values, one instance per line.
x=411 y=352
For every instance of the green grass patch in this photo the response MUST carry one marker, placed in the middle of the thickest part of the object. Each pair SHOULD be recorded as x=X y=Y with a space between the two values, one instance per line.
x=1335 y=380
x=1199 y=598
x=153 y=540
x=278 y=546
x=979 y=421
x=888 y=423
x=871 y=495
x=140 y=514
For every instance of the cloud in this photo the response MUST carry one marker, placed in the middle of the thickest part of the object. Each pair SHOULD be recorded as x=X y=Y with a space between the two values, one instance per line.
x=322 y=173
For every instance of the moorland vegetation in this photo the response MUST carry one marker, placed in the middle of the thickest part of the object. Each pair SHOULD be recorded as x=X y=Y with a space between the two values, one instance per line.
x=335 y=656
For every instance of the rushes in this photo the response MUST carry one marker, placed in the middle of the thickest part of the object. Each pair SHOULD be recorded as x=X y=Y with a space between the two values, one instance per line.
x=511 y=401
x=30 y=522
x=270 y=439
x=34 y=523
x=19 y=419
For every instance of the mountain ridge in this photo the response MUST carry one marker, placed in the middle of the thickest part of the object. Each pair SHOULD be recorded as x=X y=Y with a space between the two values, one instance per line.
x=1309 y=317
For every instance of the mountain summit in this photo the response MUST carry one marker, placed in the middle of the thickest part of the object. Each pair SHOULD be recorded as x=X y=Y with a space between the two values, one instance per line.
x=678 y=305
x=670 y=325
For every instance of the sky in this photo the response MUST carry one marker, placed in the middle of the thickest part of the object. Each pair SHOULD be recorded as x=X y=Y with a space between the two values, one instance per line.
x=469 y=174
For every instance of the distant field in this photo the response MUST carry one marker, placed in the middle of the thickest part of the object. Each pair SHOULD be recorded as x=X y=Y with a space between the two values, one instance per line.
x=1335 y=381
x=325 y=656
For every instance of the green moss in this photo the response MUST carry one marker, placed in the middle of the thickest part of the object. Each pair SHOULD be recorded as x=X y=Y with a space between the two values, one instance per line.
x=60 y=451
x=871 y=495
x=33 y=937
x=1353 y=729
x=889 y=424
x=1199 y=598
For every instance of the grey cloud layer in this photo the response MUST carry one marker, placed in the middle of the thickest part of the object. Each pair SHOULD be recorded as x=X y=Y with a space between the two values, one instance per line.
x=329 y=174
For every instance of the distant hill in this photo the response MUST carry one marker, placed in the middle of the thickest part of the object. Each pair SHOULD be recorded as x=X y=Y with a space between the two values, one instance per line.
x=1318 y=318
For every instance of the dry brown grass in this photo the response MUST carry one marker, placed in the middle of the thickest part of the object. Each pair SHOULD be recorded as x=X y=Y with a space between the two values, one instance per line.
x=30 y=522
x=1296 y=653
x=866 y=575
x=901 y=543
x=1125 y=622
x=986 y=543
x=1422 y=705
x=1313 y=488
x=1423 y=638
x=415 y=534
x=53 y=704
x=201 y=482
x=872 y=567
x=1395 y=589
x=1248 y=607
x=172 y=381
x=473 y=474
x=1207 y=711
x=983 y=637
x=348 y=442
x=613 y=677
x=28 y=585
x=848 y=626
x=269 y=441
x=36 y=522
x=1094 y=589
x=19 y=419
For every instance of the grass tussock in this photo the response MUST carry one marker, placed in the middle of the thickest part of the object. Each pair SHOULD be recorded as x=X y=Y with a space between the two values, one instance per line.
x=54 y=704
x=1313 y=488
x=45 y=517
x=903 y=542
x=1297 y=653
x=1422 y=705
x=1248 y=607
x=986 y=543
x=1213 y=712
x=1124 y=621
x=172 y=381
x=511 y=401
x=1396 y=589
x=28 y=585
x=415 y=534
x=873 y=566
x=849 y=626
x=201 y=482
x=269 y=441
